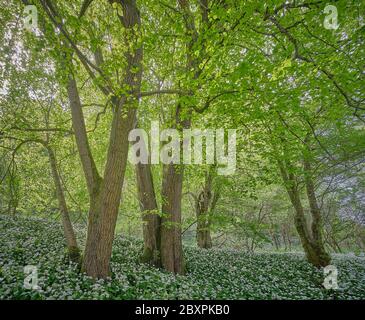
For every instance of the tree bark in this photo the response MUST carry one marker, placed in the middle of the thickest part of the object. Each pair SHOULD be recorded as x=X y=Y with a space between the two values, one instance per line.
x=149 y=209
x=203 y=237
x=105 y=193
x=205 y=204
x=360 y=235
x=72 y=247
x=171 y=245
x=150 y=216
x=105 y=200
x=316 y=227
x=314 y=252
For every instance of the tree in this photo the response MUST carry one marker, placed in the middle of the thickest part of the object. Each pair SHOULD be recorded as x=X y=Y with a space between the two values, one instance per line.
x=104 y=192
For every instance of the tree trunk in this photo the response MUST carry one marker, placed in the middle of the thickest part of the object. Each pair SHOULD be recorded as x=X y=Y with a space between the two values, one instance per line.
x=360 y=235
x=149 y=209
x=203 y=236
x=284 y=237
x=316 y=227
x=105 y=195
x=72 y=247
x=274 y=239
x=288 y=238
x=205 y=204
x=105 y=199
x=171 y=246
x=314 y=251
x=150 y=216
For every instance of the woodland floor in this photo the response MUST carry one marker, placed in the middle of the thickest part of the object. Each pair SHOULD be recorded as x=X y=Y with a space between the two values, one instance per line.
x=211 y=274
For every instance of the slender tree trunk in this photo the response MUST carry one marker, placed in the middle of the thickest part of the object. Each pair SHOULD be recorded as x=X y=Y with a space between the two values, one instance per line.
x=274 y=239
x=302 y=229
x=360 y=235
x=288 y=238
x=331 y=241
x=314 y=253
x=284 y=237
x=172 y=180
x=72 y=247
x=105 y=202
x=203 y=237
x=316 y=227
x=171 y=245
x=204 y=206
x=284 y=241
x=149 y=209
x=105 y=199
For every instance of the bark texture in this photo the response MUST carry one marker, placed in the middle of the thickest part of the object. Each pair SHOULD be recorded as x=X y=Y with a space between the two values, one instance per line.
x=311 y=237
x=171 y=246
x=204 y=206
x=150 y=216
x=72 y=247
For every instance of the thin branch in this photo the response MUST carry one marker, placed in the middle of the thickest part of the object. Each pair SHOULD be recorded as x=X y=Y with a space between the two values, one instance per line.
x=156 y=92
x=211 y=99
x=84 y=7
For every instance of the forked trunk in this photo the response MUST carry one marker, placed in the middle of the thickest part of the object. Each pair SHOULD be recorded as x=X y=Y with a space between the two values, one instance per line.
x=105 y=194
x=106 y=198
x=172 y=180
